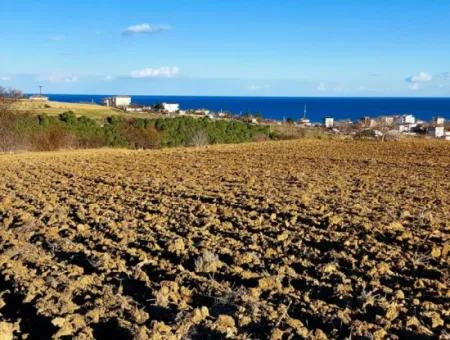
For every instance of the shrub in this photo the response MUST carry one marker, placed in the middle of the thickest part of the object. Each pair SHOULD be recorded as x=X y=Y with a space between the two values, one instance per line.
x=8 y=134
x=139 y=134
x=260 y=137
x=52 y=139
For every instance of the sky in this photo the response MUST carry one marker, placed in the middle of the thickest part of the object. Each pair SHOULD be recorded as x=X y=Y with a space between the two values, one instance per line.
x=227 y=47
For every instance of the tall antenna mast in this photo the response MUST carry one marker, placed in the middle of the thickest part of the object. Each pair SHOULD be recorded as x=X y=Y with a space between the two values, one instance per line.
x=40 y=90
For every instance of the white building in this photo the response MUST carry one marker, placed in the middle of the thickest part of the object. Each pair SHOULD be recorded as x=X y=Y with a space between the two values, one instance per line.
x=407 y=119
x=406 y=123
x=202 y=112
x=329 y=122
x=406 y=127
x=134 y=109
x=439 y=120
x=304 y=122
x=436 y=131
x=118 y=101
x=39 y=98
x=170 y=107
x=121 y=101
x=369 y=122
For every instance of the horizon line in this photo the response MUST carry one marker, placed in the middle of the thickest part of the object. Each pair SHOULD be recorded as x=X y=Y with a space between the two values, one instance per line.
x=242 y=96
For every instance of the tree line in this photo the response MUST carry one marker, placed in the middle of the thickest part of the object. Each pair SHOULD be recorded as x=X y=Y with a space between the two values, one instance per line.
x=22 y=131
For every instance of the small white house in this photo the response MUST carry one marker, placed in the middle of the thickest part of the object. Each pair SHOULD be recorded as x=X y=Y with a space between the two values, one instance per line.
x=170 y=107
x=203 y=112
x=407 y=119
x=329 y=122
x=39 y=98
x=134 y=109
x=439 y=120
x=403 y=128
x=304 y=121
x=368 y=122
x=436 y=131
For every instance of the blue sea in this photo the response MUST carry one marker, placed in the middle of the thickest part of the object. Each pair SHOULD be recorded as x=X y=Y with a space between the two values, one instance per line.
x=284 y=107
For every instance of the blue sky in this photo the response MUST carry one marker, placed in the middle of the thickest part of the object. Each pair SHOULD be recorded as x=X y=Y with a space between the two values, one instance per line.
x=232 y=47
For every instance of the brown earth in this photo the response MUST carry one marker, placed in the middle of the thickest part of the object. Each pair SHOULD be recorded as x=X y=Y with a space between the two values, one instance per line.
x=303 y=239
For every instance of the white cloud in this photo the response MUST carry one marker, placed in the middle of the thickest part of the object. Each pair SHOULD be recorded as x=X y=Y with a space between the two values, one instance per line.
x=5 y=78
x=109 y=78
x=145 y=29
x=161 y=72
x=415 y=81
x=421 y=77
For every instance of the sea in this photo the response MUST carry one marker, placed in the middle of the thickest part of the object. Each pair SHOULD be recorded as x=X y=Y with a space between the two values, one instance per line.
x=280 y=108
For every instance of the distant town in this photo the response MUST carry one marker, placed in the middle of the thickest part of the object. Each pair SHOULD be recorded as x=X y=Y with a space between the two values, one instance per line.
x=387 y=126
x=381 y=127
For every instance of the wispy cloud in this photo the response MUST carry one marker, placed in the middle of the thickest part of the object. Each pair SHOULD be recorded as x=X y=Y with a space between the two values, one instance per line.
x=444 y=76
x=145 y=29
x=415 y=81
x=421 y=77
x=58 y=78
x=161 y=72
x=258 y=87
x=4 y=78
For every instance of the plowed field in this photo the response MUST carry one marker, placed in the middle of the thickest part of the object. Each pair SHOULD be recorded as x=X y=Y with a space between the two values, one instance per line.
x=303 y=239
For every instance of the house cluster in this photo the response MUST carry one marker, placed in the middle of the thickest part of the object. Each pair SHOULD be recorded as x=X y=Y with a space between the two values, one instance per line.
x=400 y=124
x=125 y=103
x=380 y=126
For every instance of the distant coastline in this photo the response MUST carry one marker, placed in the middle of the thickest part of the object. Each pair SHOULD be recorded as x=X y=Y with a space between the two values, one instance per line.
x=280 y=108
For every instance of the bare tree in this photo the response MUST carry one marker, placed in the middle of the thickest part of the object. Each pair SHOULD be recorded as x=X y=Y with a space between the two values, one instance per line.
x=12 y=94
x=199 y=138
